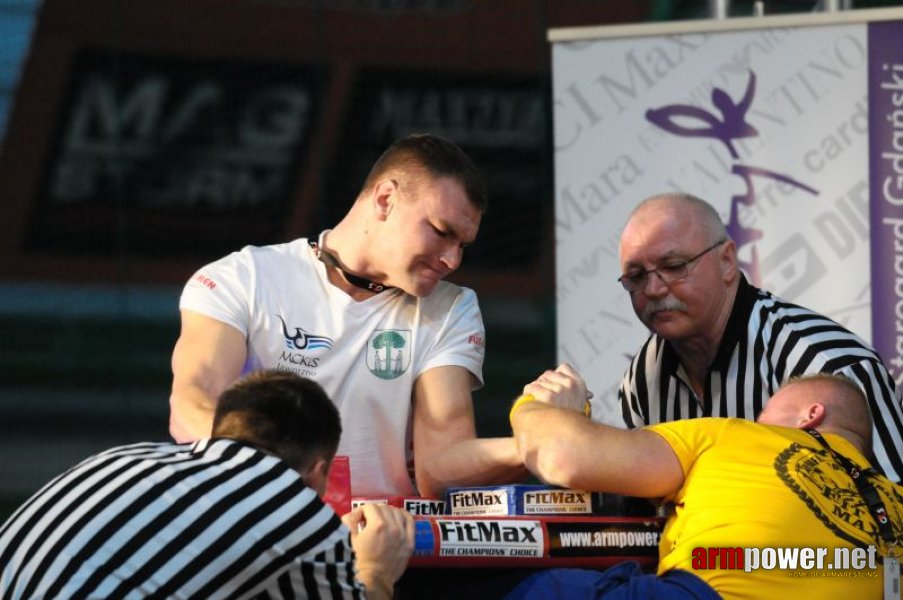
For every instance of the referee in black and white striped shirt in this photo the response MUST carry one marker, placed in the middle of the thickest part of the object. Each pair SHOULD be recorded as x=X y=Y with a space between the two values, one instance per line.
x=721 y=347
x=234 y=516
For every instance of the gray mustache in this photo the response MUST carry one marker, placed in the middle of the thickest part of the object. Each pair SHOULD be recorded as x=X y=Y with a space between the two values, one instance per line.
x=669 y=303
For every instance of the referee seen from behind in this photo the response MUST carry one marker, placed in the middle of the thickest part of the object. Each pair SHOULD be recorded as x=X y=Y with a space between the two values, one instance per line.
x=234 y=516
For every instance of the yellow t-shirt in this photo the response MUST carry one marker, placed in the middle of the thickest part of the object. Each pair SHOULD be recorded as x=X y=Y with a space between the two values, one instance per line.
x=766 y=488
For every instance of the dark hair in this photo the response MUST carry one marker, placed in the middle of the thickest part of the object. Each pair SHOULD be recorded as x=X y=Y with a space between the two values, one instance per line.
x=281 y=413
x=438 y=157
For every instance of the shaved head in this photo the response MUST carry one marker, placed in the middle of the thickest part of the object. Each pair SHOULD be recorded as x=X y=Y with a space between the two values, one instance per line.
x=844 y=406
x=696 y=209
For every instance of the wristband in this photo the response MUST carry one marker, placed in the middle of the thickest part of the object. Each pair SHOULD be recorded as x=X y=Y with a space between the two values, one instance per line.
x=524 y=399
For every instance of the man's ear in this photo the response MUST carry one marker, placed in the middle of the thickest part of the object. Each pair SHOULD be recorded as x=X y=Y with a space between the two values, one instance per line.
x=317 y=474
x=385 y=195
x=728 y=257
x=812 y=417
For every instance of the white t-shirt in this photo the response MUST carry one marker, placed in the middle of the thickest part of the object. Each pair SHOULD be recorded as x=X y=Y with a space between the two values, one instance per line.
x=366 y=355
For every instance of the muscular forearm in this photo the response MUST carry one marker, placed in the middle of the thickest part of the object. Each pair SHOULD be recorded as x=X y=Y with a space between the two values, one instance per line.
x=562 y=447
x=479 y=461
x=207 y=358
x=191 y=414
x=543 y=438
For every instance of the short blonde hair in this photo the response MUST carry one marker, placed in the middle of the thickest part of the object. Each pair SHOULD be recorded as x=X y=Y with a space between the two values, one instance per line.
x=848 y=408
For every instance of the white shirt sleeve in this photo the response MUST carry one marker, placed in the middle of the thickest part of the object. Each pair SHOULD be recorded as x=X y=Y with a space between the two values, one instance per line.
x=461 y=337
x=222 y=290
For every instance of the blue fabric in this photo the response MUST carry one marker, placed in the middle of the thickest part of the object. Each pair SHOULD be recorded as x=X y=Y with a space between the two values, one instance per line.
x=625 y=581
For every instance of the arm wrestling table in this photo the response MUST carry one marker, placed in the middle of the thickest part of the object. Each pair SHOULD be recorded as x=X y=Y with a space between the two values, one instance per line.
x=479 y=558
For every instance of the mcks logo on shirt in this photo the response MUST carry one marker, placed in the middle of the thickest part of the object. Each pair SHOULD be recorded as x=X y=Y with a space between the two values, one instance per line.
x=302 y=340
x=389 y=352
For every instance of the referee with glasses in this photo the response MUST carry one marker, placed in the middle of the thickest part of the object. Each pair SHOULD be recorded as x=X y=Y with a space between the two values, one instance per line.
x=233 y=516
x=720 y=346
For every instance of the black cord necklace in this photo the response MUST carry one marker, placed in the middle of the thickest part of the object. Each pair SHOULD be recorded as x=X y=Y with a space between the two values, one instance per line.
x=329 y=259
x=862 y=479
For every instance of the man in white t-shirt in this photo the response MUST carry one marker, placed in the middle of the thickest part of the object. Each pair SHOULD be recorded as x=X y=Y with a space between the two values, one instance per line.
x=363 y=311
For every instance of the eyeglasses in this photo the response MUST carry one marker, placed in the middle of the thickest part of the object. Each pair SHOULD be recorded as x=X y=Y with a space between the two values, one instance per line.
x=668 y=272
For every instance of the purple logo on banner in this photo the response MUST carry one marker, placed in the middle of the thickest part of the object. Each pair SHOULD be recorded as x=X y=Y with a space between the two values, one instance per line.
x=730 y=126
x=885 y=87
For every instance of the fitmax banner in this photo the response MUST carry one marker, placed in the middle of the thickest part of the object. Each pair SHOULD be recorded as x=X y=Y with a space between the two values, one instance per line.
x=791 y=127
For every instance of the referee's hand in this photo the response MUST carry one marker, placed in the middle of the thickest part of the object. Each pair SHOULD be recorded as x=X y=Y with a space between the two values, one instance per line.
x=383 y=539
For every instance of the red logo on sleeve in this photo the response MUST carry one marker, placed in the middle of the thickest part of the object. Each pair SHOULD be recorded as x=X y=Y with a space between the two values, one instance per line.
x=205 y=281
x=476 y=340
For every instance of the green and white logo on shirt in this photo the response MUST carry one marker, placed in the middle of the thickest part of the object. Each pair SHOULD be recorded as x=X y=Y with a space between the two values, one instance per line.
x=389 y=352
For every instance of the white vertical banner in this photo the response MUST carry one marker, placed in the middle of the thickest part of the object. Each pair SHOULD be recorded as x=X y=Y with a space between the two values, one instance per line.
x=766 y=118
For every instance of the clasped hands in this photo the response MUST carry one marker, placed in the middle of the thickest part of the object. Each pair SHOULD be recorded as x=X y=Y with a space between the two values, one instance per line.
x=562 y=387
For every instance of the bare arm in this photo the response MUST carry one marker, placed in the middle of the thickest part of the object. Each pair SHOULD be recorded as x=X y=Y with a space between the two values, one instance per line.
x=562 y=447
x=446 y=449
x=383 y=539
x=208 y=356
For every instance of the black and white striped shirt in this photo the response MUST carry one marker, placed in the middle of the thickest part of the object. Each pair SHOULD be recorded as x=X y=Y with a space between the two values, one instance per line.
x=766 y=341
x=214 y=519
